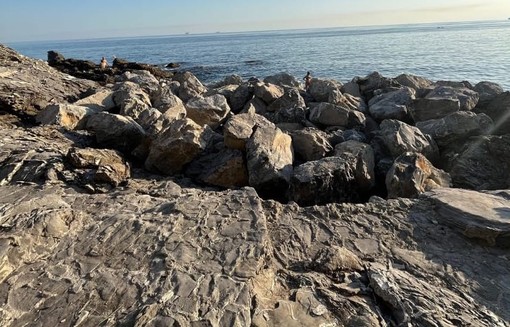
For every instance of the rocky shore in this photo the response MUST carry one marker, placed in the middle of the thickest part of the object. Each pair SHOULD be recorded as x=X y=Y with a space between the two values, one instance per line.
x=134 y=196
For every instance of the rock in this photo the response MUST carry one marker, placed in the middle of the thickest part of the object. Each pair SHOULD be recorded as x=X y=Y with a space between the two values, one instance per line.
x=487 y=92
x=152 y=121
x=282 y=79
x=480 y=216
x=365 y=163
x=290 y=99
x=131 y=99
x=255 y=106
x=433 y=108
x=328 y=180
x=320 y=89
x=123 y=65
x=347 y=101
x=169 y=104
x=351 y=88
x=189 y=86
x=269 y=159
x=456 y=126
x=310 y=144
x=240 y=97
x=291 y=115
x=335 y=260
x=226 y=168
x=145 y=80
x=108 y=165
x=177 y=146
x=499 y=110
x=413 y=82
x=391 y=105
x=375 y=81
x=330 y=115
x=211 y=110
x=116 y=131
x=102 y=100
x=399 y=137
x=240 y=128
x=354 y=135
x=27 y=85
x=173 y=65
x=412 y=174
x=467 y=98
x=66 y=115
x=227 y=91
x=482 y=163
x=268 y=92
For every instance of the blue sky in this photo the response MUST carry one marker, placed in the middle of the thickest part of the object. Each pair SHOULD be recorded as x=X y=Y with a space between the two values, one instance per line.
x=22 y=20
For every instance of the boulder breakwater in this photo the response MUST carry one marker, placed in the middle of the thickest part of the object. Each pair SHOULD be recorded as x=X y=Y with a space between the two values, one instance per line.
x=131 y=195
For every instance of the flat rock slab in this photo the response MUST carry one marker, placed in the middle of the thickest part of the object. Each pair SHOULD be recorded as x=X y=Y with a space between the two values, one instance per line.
x=476 y=215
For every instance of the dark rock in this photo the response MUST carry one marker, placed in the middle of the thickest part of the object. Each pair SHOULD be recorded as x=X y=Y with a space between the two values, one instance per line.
x=499 y=110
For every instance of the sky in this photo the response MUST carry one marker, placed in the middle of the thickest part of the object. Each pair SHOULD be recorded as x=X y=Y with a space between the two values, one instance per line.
x=32 y=20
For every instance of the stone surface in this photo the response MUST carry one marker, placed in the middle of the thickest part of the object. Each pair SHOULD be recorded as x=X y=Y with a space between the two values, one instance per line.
x=310 y=144
x=131 y=99
x=290 y=99
x=456 y=126
x=69 y=116
x=412 y=81
x=399 y=137
x=365 y=162
x=499 y=110
x=102 y=100
x=177 y=145
x=189 y=86
x=391 y=105
x=240 y=128
x=433 y=108
x=268 y=92
x=328 y=114
x=412 y=174
x=320 y=89
x=467 y=97
x=211 y=110
x=282 y=79
x=487 y=92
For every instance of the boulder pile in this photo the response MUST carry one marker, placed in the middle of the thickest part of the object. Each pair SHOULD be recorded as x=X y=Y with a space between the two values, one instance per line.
x=142 y=200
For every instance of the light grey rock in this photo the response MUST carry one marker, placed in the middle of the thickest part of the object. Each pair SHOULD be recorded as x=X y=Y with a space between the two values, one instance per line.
x=476 y=215
x=320 y=89
x=116 y=131
x=310 y=144
x=189 y=86
x=467 y=98
x=456 y=126
x=391 y=105
x=268 y=92
x=176 y=146
x=269 y=157
x=412 y=174
x=282 y=79
x=69 y=116
x=347 y=101
x=131 y=99
x=102 y=100
x=413 y=81
x=166 y=100
x=145 y=80
x=211 y=110
x=399 y=137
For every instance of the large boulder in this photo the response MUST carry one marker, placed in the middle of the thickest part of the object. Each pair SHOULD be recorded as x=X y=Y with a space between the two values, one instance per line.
x=399 y=137
x=211 y=110
x=241 y=96
x=131 y=99
x=108 y=166
x=226 y=90
x=145 y=80
x=331 y=179
x=282 y=79
x=365 y=162
x=269 y=158
x=456 y=126
x=328 y=114
x=412 y=174
x=290 y=99
x=166 y=100
x=226 y=168
x=102 y=100
x=433 y=108
x=268 y=92
x=239 y=129
x=177 y=145
x=412 y=81
x=373 y=83
x=499 y=110
x=310 y=144
x=487 y=92
x=116 y=131
x=189 y=86
x=347 y=101
x=483 y=163
x=66 y=115
x=467 y=97
x=391 y=105
x=320 y=89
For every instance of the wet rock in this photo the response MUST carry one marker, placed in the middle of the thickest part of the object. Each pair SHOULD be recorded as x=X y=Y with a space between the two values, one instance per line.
x=391 y=105
x=456 y=126
x=310 y=144
x=66 y=115
x=177 y=146
x=412 y=174
x=399 y=137
x=269 y=159
x=116 y=131
x=211 y=110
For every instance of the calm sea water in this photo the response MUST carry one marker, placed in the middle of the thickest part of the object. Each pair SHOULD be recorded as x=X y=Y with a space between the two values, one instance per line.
x=474 y=51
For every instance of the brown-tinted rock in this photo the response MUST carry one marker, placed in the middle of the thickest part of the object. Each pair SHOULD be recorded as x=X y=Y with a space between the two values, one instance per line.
x=239 y=129
x=211 y=110
x=268 y=92
x=310 y=144
x=65 y=115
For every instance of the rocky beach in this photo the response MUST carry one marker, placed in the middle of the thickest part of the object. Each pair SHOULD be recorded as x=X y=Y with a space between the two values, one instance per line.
x=138 y=196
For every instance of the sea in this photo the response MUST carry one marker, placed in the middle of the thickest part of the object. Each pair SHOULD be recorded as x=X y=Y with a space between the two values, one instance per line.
x=462 y=51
